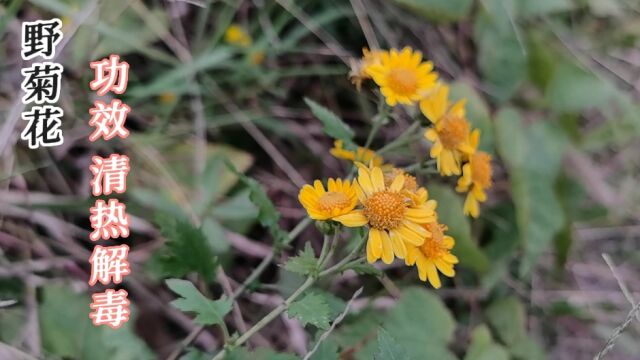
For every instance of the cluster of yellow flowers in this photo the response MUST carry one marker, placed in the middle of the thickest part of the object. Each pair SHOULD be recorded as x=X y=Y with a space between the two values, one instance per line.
x=237 y=36
x=399 y=215
x=404 y=78
x=401 y=220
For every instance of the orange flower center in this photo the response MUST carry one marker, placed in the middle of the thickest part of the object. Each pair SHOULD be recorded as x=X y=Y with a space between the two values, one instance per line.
x=333 y=200
x=453 y=130
x=433 y=246
x=481 y=169
x=402 y=81
x=384 y=210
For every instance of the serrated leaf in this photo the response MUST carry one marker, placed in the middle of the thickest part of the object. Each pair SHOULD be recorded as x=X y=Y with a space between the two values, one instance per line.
x=186 y=250
x=439 y=11
x=305 y=263
x=450 y=213
x=388 y=348
x=208 y=312
x=268 y=215
x=507 y=317
x=333 y=125
x=533 y=156
x=312 y=309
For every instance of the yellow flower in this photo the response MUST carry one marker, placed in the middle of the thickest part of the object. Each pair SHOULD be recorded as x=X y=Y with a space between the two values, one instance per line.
x=393 y=220
x=410 y=181
x=402 y=76
x=236 y=35
x=451 y=133
x=361 y=154
x=433 y=255
x=476 y=177
x=339 y=199
x=359 y=68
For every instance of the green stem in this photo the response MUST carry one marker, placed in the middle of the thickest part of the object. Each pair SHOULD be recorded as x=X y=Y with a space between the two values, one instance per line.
x=406 y=137
x=267 y=260
x=269 y=317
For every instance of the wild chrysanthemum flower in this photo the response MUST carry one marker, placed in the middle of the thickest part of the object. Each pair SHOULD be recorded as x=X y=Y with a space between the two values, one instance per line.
x=361 y=154
x=393 y=219
x=476 y=177
x=402 y=76
x=340 y=198
x=410 y=181
x=236 y=35
x=358 y=72
x=451 y=133
x=433 y=255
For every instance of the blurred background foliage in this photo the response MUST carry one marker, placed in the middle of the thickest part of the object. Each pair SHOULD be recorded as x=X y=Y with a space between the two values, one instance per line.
x=552 y=84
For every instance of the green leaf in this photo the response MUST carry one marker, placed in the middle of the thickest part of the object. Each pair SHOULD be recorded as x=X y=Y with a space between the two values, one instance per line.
x=305 y=263
x=527 y=8
x=573 y=89
x=312 y=309
x=438 y=11
x=507 y=317
x=533 y=156
x=333 y=125
x=421 y=324
x=501 y=54
x=388 y=348
x=67 y=331
x=483 y=347
x=208 y=312
x=527 y=349
x=268 y=215
x=450 y=213
x=186 y=249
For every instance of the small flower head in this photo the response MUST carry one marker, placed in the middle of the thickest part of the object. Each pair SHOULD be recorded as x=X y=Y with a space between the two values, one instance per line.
x=361 y=154
x=393 y=219
x=433 y=255
x=410 y=181
x=236 y=35
x=476 y=178
x=358 y=72
x=402 y=76
x=451 y=137
x=339 y=199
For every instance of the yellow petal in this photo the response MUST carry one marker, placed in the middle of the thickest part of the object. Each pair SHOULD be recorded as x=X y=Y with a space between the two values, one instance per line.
x=387 y=248
x=377 y=179
x=445 y=268
x=397 y=183
x=432 y=275
x=364 y=180
x=353 y=219
x=399 y=247
x=376 y=243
